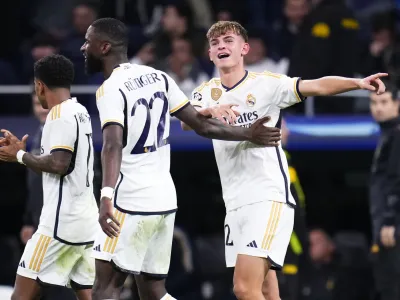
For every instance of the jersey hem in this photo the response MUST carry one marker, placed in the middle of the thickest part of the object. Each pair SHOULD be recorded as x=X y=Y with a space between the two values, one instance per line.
x=274 y=265
x=113 y=263
x=72 y=243
x=145 y=213
x=44 y=283
x=62 y=148
x=297 y=91
x=179 y=108
x=111 y=123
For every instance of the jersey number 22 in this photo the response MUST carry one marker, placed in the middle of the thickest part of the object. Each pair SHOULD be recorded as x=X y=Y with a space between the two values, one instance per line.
x=140 y=147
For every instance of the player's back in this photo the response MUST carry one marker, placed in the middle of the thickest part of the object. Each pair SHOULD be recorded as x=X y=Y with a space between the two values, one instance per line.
x=141 y=99
x=69 y=211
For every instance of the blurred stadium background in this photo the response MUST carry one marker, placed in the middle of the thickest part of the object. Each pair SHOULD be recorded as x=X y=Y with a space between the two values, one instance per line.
x=331 y=140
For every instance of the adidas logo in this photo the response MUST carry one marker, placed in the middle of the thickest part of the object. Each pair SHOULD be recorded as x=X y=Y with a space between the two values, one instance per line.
x=22 y=264
x=253 y=244
x=97 y=248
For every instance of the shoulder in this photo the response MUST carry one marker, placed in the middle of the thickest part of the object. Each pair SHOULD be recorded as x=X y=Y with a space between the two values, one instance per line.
x=206 y=85
x=266 y=75
x=64 y=112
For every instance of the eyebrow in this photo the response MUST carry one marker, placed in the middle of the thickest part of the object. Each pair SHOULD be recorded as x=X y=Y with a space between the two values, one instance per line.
x=225 y=37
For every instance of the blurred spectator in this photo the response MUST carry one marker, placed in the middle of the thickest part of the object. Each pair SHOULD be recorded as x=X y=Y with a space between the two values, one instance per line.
x=182 y=66
x=385 y=195
x=289 y=278
x=384 y=50
x=145 y=56
x=35 y=192
x=340 y=269
x=83 y=16
x=177 y=22
x=326 y=45
x=258 y=60
x=229 y=10
x=42 y=44
x=286 y=29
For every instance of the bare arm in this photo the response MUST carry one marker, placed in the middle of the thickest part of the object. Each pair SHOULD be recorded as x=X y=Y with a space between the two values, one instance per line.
x=111 y=155
x=332 y=85
x=215 y=129
x=203 y=111
x=55 y=163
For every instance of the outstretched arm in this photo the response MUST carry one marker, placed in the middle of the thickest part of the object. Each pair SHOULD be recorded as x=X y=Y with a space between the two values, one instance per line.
x=332 y=85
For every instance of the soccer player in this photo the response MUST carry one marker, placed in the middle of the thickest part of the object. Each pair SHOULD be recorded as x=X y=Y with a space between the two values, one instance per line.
x=138 y=198
x=59 y=252
x=255 y=180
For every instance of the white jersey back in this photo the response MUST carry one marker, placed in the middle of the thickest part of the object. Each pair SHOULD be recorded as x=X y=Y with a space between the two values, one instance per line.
x=69 y=211
x=141 y=99
x=250 y=173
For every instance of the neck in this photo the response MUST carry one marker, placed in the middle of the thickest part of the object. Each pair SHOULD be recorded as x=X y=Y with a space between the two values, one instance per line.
x=111 y=61
x=57 y=96
x=230 y=77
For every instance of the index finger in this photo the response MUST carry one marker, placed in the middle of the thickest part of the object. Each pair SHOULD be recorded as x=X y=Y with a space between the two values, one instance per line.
x=379 y=75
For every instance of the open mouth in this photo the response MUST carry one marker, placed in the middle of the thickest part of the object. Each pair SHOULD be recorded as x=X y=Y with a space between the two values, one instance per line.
x=223 y=55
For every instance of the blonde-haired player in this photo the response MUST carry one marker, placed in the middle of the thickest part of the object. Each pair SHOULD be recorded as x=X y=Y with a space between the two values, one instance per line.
x=255 y=180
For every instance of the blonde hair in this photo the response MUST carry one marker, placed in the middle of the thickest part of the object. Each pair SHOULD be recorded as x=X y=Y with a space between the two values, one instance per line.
x=223 y=27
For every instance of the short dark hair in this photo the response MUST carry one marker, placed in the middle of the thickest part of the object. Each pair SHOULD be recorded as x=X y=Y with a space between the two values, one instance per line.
x=223 y=27
x=385 y=20
x=391 y=88
x=113 y=30
x=55 y=71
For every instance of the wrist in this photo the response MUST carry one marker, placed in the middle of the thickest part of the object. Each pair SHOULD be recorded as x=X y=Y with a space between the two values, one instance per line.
x=107 y=192
x=205 y=112
x=20 y=155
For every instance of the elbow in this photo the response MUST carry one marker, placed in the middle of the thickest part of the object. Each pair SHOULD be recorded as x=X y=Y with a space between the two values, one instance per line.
x=112 y=147
x=61 y=167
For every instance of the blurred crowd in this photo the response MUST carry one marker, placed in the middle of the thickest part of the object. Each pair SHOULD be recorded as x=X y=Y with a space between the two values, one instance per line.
x=306 y=38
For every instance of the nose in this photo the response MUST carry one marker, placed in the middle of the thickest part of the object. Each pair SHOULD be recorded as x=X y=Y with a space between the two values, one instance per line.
x=221 y=46
x=83 y=48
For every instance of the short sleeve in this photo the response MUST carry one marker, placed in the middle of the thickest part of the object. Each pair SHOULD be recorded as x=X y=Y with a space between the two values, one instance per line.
x=111 y=104
x=177 y=100
x=287 y=91
x=63 y=133
x=197 y=99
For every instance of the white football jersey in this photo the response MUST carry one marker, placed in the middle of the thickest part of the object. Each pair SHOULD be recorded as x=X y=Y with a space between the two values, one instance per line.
x=250 y=173
x=69 y=212
x=141 y=99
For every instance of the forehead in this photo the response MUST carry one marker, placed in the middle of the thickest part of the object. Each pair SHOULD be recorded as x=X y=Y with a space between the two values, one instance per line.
x=223 y=35
x=383 y=97
x=90 y=34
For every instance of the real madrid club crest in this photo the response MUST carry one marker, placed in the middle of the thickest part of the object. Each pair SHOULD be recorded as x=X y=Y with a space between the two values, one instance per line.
x=251 y=100
x=216 y=93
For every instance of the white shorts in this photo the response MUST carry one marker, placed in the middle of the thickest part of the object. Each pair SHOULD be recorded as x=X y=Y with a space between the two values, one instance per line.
x=261 y=229
x=50 y=261
x=143 y=245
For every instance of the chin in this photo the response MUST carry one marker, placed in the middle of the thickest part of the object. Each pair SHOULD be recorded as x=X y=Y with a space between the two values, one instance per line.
x=226 y=65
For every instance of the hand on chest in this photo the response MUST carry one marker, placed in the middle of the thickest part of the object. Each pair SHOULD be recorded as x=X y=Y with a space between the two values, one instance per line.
x=247 y=104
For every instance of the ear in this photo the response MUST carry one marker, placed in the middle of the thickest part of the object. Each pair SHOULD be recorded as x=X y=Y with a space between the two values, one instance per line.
x=105 y=48
x=245 y=49
x=209 y=54
x=39 y=87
